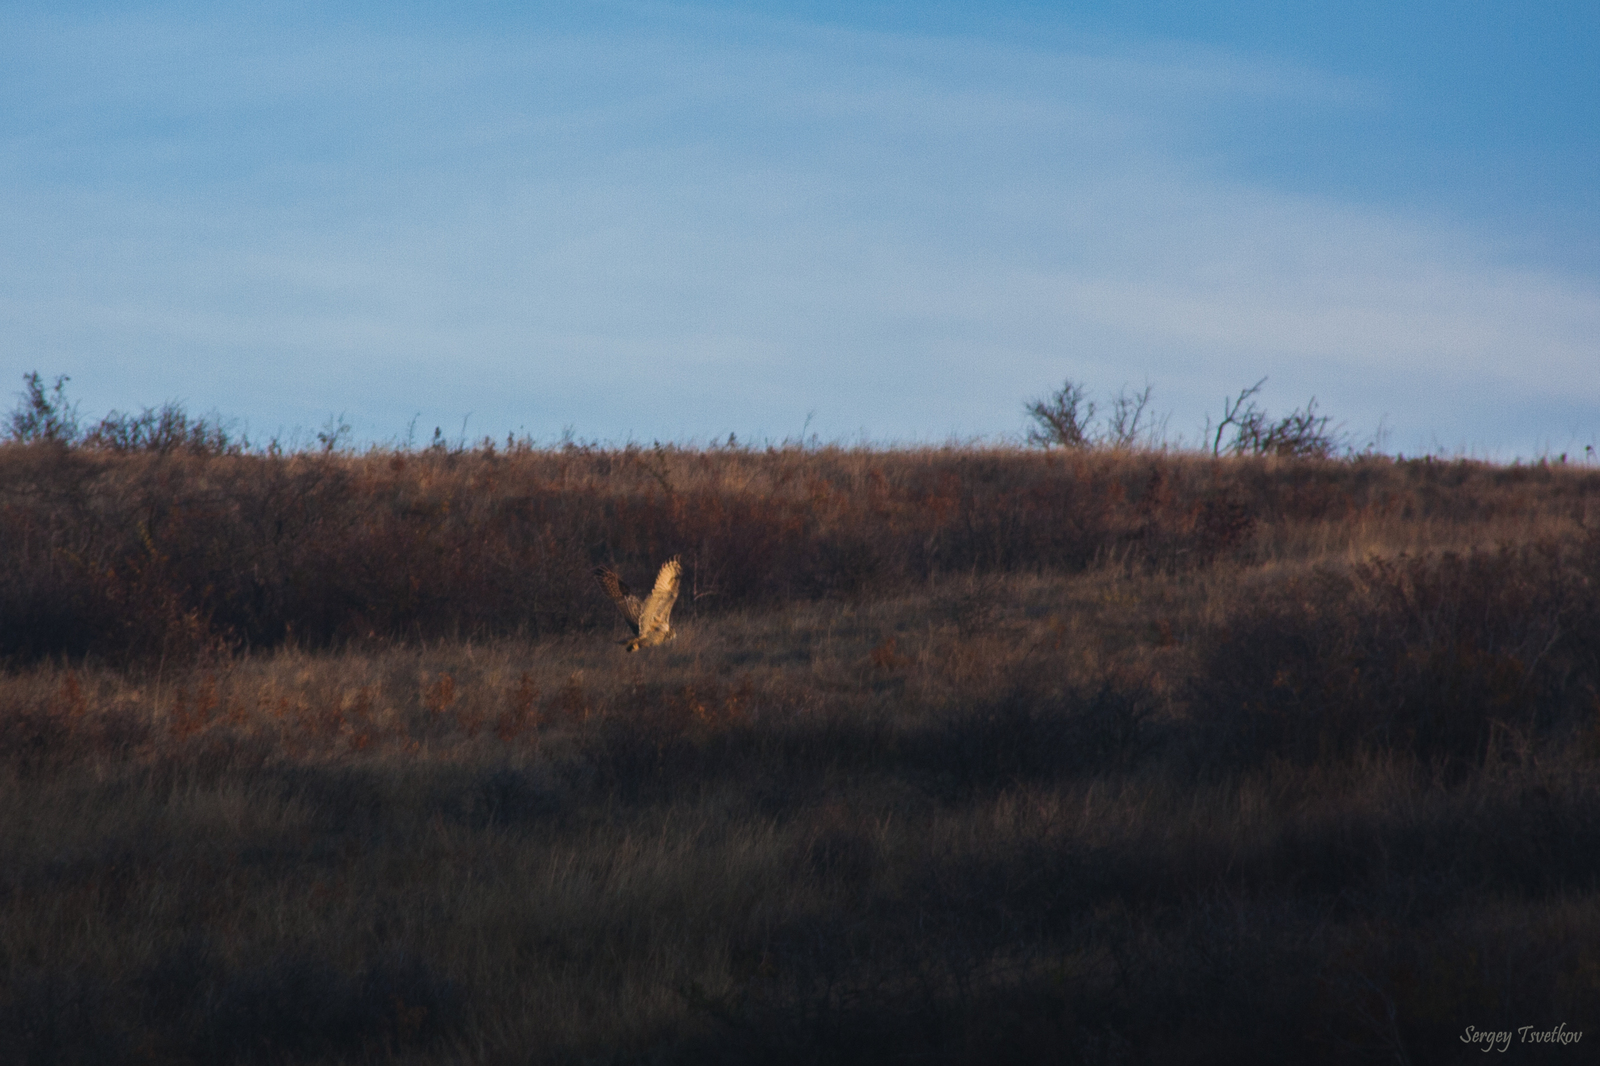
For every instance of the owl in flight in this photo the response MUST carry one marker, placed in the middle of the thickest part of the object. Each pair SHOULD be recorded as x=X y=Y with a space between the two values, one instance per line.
x=649 y=620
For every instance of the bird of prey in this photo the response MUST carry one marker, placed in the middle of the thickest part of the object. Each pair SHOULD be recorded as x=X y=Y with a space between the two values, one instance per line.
x=648 y=620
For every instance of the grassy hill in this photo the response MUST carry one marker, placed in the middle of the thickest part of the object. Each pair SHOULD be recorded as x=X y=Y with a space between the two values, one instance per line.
x=964 y=755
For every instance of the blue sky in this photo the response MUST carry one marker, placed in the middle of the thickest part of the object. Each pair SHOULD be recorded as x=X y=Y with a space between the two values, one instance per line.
x=885 y=221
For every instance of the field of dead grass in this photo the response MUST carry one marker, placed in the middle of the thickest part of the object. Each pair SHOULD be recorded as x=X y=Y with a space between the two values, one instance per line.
x=962 y=756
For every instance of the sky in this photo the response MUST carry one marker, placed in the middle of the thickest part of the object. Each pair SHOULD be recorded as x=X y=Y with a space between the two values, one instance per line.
x=869 y=222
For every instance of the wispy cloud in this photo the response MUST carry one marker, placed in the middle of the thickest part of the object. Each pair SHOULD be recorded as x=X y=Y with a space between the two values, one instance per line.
x=671 y=231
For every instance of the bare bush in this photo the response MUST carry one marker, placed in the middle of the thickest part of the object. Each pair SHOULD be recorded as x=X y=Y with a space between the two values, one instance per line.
x=41 y=416
x=1066 y=418
x=162 y=430
x=1062 y=419
x=1128 y=425
x=1301 y=434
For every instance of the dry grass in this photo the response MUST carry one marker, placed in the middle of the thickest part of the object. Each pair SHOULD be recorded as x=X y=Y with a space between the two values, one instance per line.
x=961 y=757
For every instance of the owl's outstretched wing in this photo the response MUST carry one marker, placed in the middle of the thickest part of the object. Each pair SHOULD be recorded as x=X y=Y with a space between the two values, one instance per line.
x=658 y=608
x=626 y=602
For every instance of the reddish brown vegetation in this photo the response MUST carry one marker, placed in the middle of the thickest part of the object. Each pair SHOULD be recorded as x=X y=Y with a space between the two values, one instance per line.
x=962 y=757
x=147 y=554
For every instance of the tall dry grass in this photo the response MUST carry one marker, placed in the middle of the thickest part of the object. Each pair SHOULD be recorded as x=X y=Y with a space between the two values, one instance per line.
x=136 y=555
x=963 y=756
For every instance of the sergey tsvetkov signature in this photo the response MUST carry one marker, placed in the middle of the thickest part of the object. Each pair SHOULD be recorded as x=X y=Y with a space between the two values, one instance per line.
x=1527 y=1034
